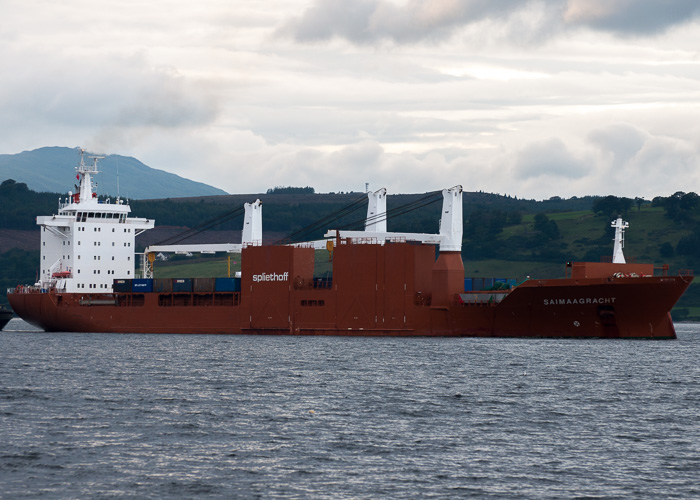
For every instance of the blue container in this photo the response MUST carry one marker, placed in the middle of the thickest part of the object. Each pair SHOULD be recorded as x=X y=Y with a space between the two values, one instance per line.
x=468 y=285
x=182 y=284
x=142 y=285
x=228 y=284
x=478 y=284
x=121 y=285
x=488 y=284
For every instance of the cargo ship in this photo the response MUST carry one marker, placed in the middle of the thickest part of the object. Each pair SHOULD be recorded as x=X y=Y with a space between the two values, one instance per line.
x=379 y=283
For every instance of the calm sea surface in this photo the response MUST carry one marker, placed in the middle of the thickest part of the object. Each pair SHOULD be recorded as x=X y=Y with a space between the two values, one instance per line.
x=153 y=416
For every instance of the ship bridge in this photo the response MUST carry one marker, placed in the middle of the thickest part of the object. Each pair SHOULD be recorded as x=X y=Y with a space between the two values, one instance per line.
x=90 y=242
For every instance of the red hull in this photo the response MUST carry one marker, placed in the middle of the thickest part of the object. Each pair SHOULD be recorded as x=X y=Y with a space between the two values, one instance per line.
x=377 y=290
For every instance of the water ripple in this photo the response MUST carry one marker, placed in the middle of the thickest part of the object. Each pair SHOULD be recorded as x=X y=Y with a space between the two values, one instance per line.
x=99 y=416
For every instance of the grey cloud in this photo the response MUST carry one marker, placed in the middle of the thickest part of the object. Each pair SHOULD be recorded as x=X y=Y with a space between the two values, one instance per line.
x=327 y=19
x=359 y=156
x=166 y=101
x=369 y=21
x=621 y=140
x=633 y=17
x=340 y=126
x=549 y=158
x=125 y=93
x=667 y=157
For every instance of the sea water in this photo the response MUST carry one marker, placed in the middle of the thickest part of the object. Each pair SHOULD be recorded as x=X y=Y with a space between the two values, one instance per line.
x=153 y=416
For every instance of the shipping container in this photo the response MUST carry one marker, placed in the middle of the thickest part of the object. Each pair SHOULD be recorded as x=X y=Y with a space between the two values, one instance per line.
x=488 y=284
x=203 y=284
x=142 y=285
x=228 y=284
x=478 y=284
x=163 y=285
x=468 y=285
x=121 y=285
x=182 y=284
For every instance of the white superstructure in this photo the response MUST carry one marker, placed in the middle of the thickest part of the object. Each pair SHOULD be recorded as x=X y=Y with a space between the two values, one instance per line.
x=90 y=242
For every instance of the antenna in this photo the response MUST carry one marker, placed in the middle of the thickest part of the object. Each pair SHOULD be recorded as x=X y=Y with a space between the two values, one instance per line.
x=117 y=176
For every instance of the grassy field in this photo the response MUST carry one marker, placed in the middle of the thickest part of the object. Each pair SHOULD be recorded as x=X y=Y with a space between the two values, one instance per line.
x=649 y=229
x=507 y=269
x=218 y=266
x=201 y=267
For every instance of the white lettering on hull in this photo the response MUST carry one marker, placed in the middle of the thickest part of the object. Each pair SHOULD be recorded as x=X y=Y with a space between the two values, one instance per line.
x=581 y=301
x=270 y=277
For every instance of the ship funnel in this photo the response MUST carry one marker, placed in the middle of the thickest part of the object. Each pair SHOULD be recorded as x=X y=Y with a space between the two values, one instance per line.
x=451 y=224
x=252 y=224
x=620 y=226
x=376 y=212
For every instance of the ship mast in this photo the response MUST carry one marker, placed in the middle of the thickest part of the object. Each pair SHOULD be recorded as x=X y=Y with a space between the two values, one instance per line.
x=376 y=212
x=85 y=173
x=451 y=224
x=620 y=226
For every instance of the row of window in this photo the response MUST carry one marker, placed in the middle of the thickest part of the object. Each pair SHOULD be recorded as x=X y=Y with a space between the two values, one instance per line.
x=84 y=216
x=99 y=243
x=94 y=257
x=99 y=229
x=93 y=285
x=97 y=271
x=95 y=243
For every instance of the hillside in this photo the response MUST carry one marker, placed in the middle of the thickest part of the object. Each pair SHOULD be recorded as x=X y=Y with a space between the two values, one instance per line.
x=519 y=250
x=52 y=169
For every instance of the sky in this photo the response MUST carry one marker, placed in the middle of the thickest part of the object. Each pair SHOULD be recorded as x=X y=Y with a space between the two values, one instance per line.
x=532 y=99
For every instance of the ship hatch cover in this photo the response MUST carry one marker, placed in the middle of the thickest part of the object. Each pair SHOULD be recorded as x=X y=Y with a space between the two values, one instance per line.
x=356 y=316
x=270 y=316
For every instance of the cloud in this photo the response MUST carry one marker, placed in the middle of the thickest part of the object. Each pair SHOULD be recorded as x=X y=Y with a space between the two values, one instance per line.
x=622 y=141
x=633 y=17
x=103 y=102
x=370 y=21
x=407 y=94
x=549 y=158
x=367 y=21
